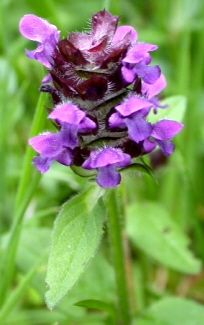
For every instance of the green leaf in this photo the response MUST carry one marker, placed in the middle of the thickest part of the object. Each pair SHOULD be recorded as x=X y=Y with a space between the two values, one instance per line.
x=30 y=247
x=96 y=304
x=175 y=110
x=148 y=321
x=139 y=167
x=76 y=236
x=90 y=284
x=153 y=231
x=174 y=311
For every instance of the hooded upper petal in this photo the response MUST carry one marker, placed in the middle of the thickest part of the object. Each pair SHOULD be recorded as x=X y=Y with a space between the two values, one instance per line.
x=123 y=32
x=87 y=125
x=106 y=157
x=36 y=29
x=68 y=113
x=47 y=144
x=133 y=104
x=116 y=120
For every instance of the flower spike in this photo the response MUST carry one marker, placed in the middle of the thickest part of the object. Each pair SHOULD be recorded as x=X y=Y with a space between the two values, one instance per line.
x=103 y=88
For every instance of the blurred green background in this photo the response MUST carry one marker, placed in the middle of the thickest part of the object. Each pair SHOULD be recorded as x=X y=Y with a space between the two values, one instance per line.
x=177 y=26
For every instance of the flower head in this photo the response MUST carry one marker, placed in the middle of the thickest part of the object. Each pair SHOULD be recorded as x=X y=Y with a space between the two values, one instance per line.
x=103 y=87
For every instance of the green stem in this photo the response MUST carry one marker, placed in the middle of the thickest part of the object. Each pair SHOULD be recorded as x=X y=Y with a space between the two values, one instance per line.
x=107 y=4
x=25 y=192
x=37 y=125
x=16 y=295
x=116 y=241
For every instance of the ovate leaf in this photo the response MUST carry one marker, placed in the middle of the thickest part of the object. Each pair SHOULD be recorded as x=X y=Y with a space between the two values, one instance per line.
x=76 y=236
x=175 y=108
x=153 y=231
x=175 y=311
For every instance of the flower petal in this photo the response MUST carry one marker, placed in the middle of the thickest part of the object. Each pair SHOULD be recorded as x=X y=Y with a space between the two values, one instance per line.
x=108 y=177
x=42 y=164
x=128 y=74
x=133 y=104
x=68 y=113
x=39 y=30
x=39 y=55
x=65 y=157
x=138 y=129
x=68 y=136
x=116 y=121
x=139 y=52
x=148 y=74
x=35 y=28
x=47 y=144
x=167 y=147
x=123 y=31
x=87 y=125
x=166 y=129
x=106 y=157
x=151 y=90
x=149 y=145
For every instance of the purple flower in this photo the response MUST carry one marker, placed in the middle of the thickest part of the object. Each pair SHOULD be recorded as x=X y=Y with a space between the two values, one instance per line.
x=131 y=114
x=58 y=146
x=106 y=161
x=39 y=30
x=161 y=135
x=151 y=91
x=135 y=64
x=71 y=115
x=103 y=88
x=73 y=121
x=51 y=147
x=124 y=32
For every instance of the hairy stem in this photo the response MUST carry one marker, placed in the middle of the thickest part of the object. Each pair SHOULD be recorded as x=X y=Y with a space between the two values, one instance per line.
x=118 y=255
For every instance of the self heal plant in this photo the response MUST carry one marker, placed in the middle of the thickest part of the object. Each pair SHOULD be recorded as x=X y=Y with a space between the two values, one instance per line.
x=103 y=89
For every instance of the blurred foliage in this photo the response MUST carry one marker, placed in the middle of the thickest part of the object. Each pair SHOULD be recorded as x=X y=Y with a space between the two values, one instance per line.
x=177 y=26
